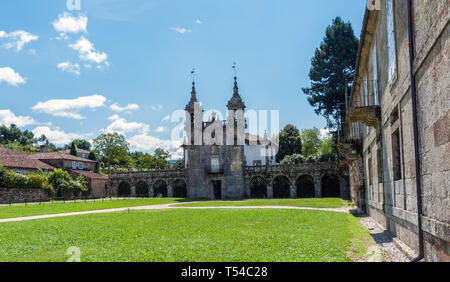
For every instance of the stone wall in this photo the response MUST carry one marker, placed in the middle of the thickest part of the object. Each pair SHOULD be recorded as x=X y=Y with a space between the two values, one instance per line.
x=11 y=196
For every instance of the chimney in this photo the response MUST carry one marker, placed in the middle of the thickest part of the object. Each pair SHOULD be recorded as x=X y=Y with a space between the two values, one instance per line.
x=43 y=148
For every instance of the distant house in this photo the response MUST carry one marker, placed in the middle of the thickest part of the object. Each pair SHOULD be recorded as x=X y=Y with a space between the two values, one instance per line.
x=64 y=160
x=22 y=163
x=258 y=151
x=80 y=152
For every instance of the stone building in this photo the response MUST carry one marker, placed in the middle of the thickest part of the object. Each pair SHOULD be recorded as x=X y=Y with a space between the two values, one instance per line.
x=398 y=124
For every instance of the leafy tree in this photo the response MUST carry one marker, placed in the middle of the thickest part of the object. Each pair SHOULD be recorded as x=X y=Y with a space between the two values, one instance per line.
x=311 y=142
x=162 y=158
x=2 y=174
x=146 y=161
x=73 y=149
x=82 y=144
x=332 y=69
x=293 y=159
x=289 y=142
x=92 y=156
x=112 y=148
x=179 y=164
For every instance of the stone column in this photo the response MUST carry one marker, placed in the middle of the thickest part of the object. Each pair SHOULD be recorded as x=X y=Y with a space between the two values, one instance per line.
x=293 y=189
x=318 y=185
x=343 y=188
x=133 y=190
x=151 y=192
x=269 y=191
x=169 y=190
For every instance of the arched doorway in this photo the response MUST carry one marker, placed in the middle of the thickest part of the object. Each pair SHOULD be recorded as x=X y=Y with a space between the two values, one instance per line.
x=330 y=186
x=258 y=188
x=281 y=187
x=305 y=187
x=142 y=189
x=180 y=189
x=160 y=189
x=124 y=189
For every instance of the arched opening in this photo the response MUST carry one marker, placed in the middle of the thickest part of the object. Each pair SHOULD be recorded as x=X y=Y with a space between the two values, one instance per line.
x=330 y=186
x=142 y=189
x=305 y=187
x=180 y=189
x=281 y=188
x=160 y=189
x=258 y=188
x=124 y=189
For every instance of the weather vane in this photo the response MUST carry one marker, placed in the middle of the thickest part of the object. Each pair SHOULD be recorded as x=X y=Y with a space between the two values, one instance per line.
x=234 y=68
x=193 y=74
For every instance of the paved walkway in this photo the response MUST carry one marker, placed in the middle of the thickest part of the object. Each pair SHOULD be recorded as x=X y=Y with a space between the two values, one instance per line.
x=167 y=206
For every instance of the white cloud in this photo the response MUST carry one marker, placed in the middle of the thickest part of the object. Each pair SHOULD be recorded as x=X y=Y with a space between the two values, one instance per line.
x=122 y=126
x=69 y=67
x=198 y=21
x=7 y=118
x=88 y=52
x=166 y=118
x=11 y=77
x=156 y=108
x=325 y=133
x=17 y=39
x=70 y=108
x=57 y=136
x=114 y=117
x=181 y=30
x=145 y=142
x=130 y=107
x=66 y=23
x=160 y=129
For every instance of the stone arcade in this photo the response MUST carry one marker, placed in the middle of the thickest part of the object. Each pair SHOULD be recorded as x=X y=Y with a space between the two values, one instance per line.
x=218 y=170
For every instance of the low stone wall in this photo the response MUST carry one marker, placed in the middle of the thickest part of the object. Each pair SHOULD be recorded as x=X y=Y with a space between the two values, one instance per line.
x=11 y=196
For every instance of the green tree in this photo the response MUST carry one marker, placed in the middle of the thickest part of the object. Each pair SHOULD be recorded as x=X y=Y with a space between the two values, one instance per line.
x=73 y=150
x=179 y=164
x=92 y=156
x=146 y=161
x=112 y=148
x=162 y=158
x=332 y=70
x=290 y=142
x=2 y=174
x=82 y=144
x=311 y=142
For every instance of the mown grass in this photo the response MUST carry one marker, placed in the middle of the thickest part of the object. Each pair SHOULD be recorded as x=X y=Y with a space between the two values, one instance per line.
x=310 y=203
x=186 y=235
x=23 y=210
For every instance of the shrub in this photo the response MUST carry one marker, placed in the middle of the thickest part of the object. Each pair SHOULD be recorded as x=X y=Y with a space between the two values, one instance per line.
x=2 y=174
x=36 y=181
x=14 y=180
x=59 y=179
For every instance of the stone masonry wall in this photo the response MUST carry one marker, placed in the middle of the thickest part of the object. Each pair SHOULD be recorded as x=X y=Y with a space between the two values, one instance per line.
x=11 y=196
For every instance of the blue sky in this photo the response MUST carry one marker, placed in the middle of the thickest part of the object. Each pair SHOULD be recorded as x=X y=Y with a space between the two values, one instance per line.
x=124 y=65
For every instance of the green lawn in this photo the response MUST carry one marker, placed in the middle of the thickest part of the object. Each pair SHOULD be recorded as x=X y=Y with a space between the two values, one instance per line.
x=189 y=235
x=310 y=203
x=61 y=207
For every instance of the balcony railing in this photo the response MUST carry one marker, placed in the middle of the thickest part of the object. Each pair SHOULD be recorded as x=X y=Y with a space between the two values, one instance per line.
x=364 y=106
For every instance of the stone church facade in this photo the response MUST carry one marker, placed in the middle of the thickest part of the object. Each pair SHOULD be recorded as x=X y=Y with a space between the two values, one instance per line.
x=397 y=138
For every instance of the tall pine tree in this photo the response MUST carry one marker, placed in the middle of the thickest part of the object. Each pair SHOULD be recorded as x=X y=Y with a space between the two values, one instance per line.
x=332 y=71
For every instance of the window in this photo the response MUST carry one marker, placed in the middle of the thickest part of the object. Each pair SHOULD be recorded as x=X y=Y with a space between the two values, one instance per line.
x=391 y=40
x=74 y=165
x=80 y=165
x=215 y=164
x=370 y=172
x=396 y=155
x=379 y=165
x=375 y=73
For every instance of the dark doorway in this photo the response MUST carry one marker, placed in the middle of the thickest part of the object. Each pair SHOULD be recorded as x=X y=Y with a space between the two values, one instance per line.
x=160 y=189
x=179 y=189
x=142 y=190
x=217 y=186
x=281 y=188
x=330 y=186
x=258 y=188
x=305 y=187
x=124 y=189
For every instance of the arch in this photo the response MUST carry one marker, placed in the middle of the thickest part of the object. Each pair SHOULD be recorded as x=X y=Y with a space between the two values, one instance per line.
x=258 y=187
x=179 y=188
x=142 y=189
x=124 y=189
x=281 y=187
x=305 y=186
x=160 y=188
x=330 y=186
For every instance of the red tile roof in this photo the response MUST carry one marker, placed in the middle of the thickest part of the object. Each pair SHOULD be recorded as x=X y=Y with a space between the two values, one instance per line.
x=90 y=175
x=79 y=151
x=60 y=155
x=17 y=160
